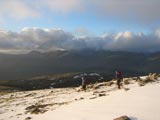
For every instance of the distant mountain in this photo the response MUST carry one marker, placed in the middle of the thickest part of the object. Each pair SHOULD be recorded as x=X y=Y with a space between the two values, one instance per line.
x=23 y=66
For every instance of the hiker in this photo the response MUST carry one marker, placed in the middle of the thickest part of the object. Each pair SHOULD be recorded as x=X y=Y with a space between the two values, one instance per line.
x=84 y=83
x=119 y=79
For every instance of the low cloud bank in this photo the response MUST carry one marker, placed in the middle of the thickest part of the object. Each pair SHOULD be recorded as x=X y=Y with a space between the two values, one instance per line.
x=29 y=39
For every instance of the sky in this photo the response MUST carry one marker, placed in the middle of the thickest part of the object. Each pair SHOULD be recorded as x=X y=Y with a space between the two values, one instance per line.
x=126 y=25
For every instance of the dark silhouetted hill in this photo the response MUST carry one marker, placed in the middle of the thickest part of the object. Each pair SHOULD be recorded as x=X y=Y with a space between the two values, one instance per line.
x=23 y=66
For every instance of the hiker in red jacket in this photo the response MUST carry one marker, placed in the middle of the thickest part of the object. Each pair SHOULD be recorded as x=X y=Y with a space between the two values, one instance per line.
x=119 y=78
x=84 y=83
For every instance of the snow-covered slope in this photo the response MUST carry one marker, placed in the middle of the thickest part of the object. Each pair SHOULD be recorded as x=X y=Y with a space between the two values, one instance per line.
x=101 y=101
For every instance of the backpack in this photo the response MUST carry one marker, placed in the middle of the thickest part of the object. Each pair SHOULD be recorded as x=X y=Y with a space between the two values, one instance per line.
x=119 y=75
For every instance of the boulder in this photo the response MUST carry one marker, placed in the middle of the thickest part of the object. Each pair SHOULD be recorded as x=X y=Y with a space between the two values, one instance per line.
x=122 y=118
x=28 y=118
x=101 y=94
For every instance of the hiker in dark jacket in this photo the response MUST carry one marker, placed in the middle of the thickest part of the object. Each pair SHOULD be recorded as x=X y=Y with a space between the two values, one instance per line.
x=84 y=83
x=119 y=79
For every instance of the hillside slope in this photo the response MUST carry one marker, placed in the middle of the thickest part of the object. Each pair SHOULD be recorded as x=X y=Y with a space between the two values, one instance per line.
x=138 y=99
x=33 y=64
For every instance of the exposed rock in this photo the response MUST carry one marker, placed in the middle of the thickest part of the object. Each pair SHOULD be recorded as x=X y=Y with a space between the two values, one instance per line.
x=101 y=94
x=109 y=83
x=30 y=95
x=138 y=78
x=51 y=92
x=28 y=118
x=97 y=86
x=81 y=98
x=141 y=84
x=19 y=114
x=90 y=86
x=96 y=92
x=153 y=76
x=122 y=118
x=148 y=79
x=11 y=96
x=126 y=89
x=75 y=99
x=36 y=109
x=79 y=89
x=126 y=81
x=134 y=78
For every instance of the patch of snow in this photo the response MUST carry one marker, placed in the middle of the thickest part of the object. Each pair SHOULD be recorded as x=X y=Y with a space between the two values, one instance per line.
x=94 y=74
x=101 y=78
x=80 y=76
x=138 y=103
x=77 y=76
x=143 y=77
x=85 y=74
x=52 y=84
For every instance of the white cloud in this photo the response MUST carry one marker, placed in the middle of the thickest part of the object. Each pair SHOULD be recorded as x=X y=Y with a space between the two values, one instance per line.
x=157 y=33
x=16 y=9
x=52 y=39
x=143 y=11
x=124 y=35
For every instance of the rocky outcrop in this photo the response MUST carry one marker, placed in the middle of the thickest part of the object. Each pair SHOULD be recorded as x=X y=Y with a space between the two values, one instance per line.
x=153 y=76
